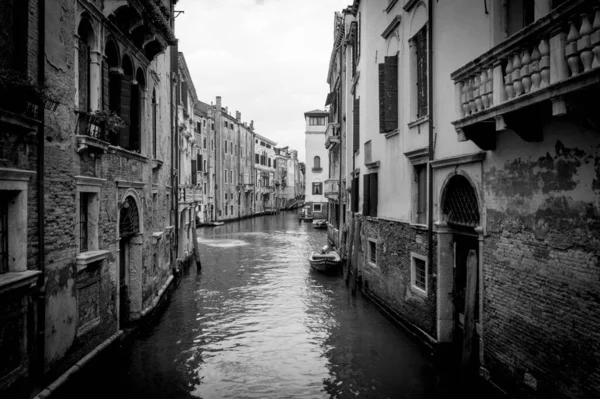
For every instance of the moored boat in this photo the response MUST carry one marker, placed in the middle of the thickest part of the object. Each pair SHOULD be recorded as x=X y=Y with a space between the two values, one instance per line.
x=319 y=223
x=215 y=223
x=327 y=262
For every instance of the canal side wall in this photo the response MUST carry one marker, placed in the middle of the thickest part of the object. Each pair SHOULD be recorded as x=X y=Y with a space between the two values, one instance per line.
x=389 y=279
x=541 y=264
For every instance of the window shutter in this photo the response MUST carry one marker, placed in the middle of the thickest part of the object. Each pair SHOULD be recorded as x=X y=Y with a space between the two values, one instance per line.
x=422 y=72
x=184 y=93
x=391 y=93
x=356 y=131
x=199 y=161
x=366 y=195
x=105 y=86
x=114 y=93
x=125 y=110
x=194 y=171
x=382 y=118
x=373 y=197
x=84 y=73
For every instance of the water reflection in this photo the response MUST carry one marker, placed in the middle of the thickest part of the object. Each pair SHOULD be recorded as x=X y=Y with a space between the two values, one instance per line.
x=258 y=323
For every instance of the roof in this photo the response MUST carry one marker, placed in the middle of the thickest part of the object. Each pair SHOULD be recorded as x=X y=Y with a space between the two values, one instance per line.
x=263 y=138
x=183 y=68
x=316 y=112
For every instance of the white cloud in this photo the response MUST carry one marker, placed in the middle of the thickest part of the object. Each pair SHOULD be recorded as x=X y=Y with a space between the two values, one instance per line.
x=266 y=58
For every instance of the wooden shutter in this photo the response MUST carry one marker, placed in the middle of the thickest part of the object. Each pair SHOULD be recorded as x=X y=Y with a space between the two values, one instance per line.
x=105 y=86
x=382 y=98
x=391 y=93
x=356 y=131
x=366 y=195
x=194 y=172
x=422 y=72
x=373 y=196
x=84 y=76
x=354 y=203
x=125 y=110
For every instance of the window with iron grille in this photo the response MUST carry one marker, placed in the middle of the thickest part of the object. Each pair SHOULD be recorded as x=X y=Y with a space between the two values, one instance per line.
x=419 y=273
x=373 y=252
x=460 y=203
x=83 y=222
x=129 y=222
x=420 y=42
x=3 y=234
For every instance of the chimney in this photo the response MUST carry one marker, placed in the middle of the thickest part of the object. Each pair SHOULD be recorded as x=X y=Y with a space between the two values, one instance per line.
x=219 y=103
x=238 y=116
x=227 y=110
x=252 y=124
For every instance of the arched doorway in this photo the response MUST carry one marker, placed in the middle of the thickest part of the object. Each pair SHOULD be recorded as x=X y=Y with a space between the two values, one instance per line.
x=128 y=228
x=461 y=214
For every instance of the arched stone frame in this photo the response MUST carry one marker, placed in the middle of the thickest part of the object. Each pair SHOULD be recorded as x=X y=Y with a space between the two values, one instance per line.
x=112 y=72
x=141 y=82
x=88 y=34
x=154 y=143
x=446 y=262
x=134 y=273
x=418 y=19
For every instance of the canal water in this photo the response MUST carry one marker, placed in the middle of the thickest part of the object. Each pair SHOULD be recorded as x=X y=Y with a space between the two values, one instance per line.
x=257 y=322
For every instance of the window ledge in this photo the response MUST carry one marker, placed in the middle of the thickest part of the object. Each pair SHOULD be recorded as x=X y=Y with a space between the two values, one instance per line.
x=373 y=165
x=393 y=133
x=418 y=291
x=13 y=280
x=84 y=259
x=90 y=143
x=419 y=121
x=419 y=226
x=157 y=163
x=126 y=153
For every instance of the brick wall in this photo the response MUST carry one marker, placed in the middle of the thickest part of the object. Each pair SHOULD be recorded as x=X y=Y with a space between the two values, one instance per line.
x=390 y=281
x=542 y=291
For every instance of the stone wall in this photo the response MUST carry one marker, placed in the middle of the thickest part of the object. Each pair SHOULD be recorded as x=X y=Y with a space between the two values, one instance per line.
x=390 y=280
x=542 y=296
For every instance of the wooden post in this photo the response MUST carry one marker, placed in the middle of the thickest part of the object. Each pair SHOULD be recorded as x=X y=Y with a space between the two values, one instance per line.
x=469 y=324
x=349 y=245
x=355 y=257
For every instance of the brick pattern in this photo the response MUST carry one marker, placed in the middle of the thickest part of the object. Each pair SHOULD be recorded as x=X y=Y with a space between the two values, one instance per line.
x=542 y=297
x=390 y=281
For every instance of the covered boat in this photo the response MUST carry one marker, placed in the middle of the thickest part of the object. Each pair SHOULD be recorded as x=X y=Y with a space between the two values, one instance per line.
x=325 y=261
x=319 y=223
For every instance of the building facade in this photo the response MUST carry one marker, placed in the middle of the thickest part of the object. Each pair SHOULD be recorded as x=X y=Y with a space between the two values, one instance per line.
x=265 y=167
x=317 y=158
x=469 y=153
x=90 y=123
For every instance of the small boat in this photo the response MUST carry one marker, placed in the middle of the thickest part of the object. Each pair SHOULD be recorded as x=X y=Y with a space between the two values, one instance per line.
x=215 y=223
x=325 y=261
x=319 y=223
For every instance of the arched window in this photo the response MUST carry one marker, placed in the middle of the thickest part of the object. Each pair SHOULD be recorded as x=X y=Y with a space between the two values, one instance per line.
x=112 y=78
x=85 y=42
x=126 y=100
x=317 y=162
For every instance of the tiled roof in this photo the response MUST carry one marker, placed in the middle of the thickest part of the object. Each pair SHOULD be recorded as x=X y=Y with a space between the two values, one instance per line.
x=316 y=112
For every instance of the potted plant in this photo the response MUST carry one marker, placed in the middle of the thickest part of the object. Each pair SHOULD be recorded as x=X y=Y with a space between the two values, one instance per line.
x=109 y=123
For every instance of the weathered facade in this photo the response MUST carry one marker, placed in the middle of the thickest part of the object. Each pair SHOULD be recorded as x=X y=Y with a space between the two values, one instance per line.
x=104 y=221
x=476 y=210
x=265 y=168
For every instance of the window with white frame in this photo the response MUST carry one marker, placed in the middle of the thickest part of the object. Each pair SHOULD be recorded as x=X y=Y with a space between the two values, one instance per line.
x=372 y=252
x=14 y=186
x=418 y=273
x=88 y=201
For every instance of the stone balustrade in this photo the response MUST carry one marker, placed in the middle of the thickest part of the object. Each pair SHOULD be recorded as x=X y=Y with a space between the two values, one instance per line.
x=559 y=46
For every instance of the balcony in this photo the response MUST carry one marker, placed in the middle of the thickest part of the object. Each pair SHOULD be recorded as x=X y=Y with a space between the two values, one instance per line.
x=317 y=170
x=333 y=135
x=91 y=136
x=189 y=194
x=332 y=189
x=542 y=71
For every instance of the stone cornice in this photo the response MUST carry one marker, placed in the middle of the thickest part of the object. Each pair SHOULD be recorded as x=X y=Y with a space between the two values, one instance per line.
x=458 y=160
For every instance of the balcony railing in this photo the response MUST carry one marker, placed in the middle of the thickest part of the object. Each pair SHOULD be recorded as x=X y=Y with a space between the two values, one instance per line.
x=332 y=188
x=317 y=170
x=536 y=69
x=332 y=134
x=190 y=194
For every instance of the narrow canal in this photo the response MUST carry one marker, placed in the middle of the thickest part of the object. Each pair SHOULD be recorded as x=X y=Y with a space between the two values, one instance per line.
x=257 y=322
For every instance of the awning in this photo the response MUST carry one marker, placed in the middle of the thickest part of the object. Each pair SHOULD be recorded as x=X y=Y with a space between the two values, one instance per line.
x=329 y=98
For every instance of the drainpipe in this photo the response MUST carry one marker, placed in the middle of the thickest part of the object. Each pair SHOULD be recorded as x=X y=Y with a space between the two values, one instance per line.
x=431 y=134
x=41 y=300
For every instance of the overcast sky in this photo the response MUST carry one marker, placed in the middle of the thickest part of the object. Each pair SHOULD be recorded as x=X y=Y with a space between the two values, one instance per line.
x=267 y=59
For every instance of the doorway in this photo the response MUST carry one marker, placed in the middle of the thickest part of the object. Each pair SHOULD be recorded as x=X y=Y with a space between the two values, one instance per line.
x=466 y=301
